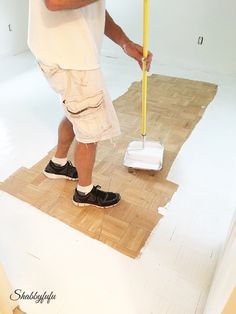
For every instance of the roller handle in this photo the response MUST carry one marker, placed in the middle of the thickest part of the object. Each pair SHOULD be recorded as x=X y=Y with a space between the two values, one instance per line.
x=145 y=55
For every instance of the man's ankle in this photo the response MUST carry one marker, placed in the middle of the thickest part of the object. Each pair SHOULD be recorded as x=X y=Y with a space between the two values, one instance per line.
x=59 y=161
x=84 y=189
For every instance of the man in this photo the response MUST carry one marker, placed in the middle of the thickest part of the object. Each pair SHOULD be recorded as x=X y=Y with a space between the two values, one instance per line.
x=66 y=37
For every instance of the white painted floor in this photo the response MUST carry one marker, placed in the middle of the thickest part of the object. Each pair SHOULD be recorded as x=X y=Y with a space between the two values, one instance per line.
x=174 y=272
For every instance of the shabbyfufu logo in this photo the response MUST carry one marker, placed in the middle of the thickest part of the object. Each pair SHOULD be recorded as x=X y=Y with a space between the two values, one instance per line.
x=35 y=296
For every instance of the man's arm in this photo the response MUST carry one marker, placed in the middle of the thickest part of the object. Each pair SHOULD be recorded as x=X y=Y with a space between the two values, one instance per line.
x=133 y=50
x=57 y=5
x=115 y=32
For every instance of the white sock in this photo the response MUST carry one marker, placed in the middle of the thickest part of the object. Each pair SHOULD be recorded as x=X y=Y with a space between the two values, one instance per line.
x=59 y=161
x=84 y=189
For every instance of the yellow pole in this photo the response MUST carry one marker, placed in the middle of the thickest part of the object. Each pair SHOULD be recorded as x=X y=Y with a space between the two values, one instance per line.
x=145 y=55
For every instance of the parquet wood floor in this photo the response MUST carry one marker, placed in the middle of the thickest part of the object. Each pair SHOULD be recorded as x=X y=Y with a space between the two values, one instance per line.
x=174 y=107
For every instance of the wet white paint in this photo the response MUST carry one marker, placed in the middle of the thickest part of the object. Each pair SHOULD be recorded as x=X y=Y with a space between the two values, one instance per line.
x=144 y=154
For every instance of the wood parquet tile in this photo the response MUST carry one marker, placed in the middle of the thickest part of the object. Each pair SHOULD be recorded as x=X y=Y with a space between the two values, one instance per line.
x=174 y=108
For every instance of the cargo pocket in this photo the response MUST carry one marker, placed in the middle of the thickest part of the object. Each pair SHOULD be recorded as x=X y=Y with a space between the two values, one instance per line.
x=89 y=114
x=55 y=76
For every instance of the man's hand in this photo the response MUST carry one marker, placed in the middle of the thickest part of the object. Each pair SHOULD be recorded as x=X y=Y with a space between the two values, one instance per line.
x=116 y=34
x=135 y=51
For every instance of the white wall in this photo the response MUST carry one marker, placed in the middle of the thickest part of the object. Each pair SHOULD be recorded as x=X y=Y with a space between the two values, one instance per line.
x=14 y=12
x=174 y=30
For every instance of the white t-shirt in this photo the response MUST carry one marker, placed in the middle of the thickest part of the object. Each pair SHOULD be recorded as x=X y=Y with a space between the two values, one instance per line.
x=71 y=39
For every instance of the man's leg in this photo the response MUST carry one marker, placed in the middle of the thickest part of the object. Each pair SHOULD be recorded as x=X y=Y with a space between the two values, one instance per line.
x=59 y=167
x=65 y=138
x=84 y=162
x=85 y=193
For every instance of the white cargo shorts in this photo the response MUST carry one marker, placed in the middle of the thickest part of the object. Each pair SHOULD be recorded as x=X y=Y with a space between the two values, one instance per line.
x=86 y=102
